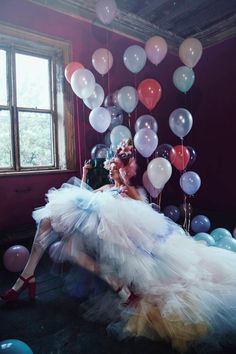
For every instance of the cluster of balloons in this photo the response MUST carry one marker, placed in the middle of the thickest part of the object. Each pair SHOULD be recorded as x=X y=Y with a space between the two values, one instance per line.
x=190 y=52
x=15 y=258
x=219 y=237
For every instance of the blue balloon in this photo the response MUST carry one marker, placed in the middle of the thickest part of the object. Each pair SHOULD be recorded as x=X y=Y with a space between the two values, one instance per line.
x=220 y=233
x=190 y=182
x=14 y=346
x=227 y=243
x=99 y=151
x=203 y=236
x=172 y=212
x=200 y=223
x=183 y=78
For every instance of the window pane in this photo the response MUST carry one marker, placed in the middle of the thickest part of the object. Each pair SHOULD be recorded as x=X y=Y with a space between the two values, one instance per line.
x=3 y=78
x=32 y=82
x=36 y=139
x=5 y=140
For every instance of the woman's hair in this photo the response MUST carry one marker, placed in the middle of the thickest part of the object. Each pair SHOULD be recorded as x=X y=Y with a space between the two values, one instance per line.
x=124 y=161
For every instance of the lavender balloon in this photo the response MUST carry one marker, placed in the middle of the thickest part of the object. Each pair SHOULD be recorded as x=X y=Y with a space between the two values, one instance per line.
x=172 y=212
x=106 y=10
x=15 y=258
x=200 y=223
x=190 y=182
x=146 y=121
x=145 y=141
x=180 y=122
x=154 y=192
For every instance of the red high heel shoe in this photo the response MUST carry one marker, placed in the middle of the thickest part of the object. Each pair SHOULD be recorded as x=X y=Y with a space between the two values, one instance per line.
x=12 y=295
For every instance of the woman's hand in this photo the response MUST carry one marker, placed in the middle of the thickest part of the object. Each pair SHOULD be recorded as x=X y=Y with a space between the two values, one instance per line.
x=124 y=191
x=87 y=166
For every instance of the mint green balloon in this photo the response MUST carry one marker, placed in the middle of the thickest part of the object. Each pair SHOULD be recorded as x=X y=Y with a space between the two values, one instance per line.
x=183 y=78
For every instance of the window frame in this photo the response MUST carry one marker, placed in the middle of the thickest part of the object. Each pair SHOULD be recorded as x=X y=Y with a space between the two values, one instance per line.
x=59 y=53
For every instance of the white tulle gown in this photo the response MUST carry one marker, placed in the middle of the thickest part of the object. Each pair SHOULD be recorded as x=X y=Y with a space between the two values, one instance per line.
x=187 y=290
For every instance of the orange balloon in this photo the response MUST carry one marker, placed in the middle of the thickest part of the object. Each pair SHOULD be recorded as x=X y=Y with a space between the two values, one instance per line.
x=149 y=93
x=182 y=157
x=70 y=69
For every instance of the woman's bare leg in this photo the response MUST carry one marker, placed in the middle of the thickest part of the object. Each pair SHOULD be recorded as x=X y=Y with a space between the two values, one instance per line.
x=37 y=251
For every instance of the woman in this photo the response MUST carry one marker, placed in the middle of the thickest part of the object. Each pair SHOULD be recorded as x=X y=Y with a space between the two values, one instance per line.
x=180 y=291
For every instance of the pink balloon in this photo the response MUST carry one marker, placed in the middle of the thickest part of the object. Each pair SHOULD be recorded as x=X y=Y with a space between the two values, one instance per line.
x=106 y=10
x=15 y=258
x=102 y=60
x=154 y=192
x=156 y=49
x=190 y=52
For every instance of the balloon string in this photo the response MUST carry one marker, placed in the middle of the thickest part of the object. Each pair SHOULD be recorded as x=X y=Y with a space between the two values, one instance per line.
x=129 y=121
x=189 y=217
x=182 y=144
x=136 y=109
x=108 y=74
x=79 y=140
x=159 y=199
x=185 y=212
x=84 y=131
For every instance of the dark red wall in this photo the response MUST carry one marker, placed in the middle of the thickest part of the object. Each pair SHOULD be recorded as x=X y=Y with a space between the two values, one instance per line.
x=210 y=101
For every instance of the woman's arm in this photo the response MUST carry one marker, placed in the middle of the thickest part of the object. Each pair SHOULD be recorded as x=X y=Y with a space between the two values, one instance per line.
x=131 y=192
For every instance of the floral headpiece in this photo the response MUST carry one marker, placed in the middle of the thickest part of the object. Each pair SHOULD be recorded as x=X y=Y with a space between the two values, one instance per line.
x=124 y=160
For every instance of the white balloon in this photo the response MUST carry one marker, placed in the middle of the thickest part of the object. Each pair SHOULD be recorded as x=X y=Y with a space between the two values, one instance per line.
x=96 y=99
x=102 y=60
x=100 y=119
x=159 y=171
x=83 y=83
x=119 y=133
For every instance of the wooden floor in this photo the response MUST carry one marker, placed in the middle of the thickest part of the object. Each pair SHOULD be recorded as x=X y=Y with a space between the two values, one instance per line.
x=53 y=323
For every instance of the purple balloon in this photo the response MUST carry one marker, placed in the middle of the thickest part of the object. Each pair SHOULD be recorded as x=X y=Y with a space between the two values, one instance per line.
x=180 y=122
x=15 y=258
x=145 y=141
x=234 y=232
x=190 y=182
x=172 y=212
x=200 y=223
x=193 y=156
x=106 y=10
x=164 y=150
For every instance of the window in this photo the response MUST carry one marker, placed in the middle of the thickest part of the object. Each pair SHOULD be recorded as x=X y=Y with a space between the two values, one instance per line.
x=36 y=120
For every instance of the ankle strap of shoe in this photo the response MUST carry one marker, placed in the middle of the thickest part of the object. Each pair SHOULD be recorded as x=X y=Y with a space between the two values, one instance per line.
x=26 y=280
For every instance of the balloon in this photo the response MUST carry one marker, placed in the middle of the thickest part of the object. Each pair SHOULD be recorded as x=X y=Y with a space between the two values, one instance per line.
x=83 y=83
x=106 y=10
x=190 y=182
x=159 y=171
x=15 y=258
x=154 y=192
x=193 y=156
x=99 y=151
x=14 y=346
x=200 y=223
x=96 y=99
x=220 y=233
x=180 y=157
x=116 y=116
x=146 y=121
x=128 y=98
x=234 y=232
x=135 y=58
x=205 y=238
x=227 y=243
x=180 y=122
x=107 y=139
x=149 y=93
x=119 y=133
x=190 y=52
x=167 y=151
x=71 y=68
x=100 y=119
x=112 y=99
x=172 y=212
x=102 y=60
x=155 y=207
x=145 y=141
x=183 y=78
x=156 y=49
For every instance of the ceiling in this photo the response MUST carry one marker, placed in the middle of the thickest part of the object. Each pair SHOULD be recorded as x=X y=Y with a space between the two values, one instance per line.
x=211 y=21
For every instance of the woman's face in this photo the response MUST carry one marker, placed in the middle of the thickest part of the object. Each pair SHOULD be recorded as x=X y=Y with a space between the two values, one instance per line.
x=114 y=172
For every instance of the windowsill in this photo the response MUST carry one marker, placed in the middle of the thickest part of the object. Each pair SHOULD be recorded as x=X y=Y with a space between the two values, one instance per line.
x=33 y=173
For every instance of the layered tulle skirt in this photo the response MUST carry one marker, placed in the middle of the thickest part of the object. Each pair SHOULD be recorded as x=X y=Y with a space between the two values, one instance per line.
x=187 y=291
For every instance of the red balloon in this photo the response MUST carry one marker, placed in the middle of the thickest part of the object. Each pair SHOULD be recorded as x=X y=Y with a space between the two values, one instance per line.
x=181 y=158
x=70 y=69
x=149 y=93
